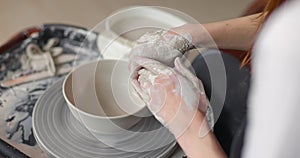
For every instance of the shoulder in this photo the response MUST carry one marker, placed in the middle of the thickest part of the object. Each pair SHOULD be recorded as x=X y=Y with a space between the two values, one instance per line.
x=274 y=97
x=281 y=33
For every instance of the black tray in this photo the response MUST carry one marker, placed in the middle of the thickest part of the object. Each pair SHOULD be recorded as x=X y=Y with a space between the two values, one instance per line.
x=73 y=40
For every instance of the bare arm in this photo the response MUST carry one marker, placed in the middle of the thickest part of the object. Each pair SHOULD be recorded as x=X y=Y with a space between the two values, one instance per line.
x=237 y=34
x=195 y=147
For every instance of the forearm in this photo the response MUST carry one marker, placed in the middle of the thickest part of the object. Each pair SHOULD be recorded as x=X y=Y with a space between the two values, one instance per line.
x=195 y=147
x=237 y=34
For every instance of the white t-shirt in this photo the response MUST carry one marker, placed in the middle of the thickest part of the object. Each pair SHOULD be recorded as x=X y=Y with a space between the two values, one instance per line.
x=274 y=103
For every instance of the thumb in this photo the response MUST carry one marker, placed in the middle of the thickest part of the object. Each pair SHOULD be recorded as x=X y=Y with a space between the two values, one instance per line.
x=184 y=71
x=157 y=98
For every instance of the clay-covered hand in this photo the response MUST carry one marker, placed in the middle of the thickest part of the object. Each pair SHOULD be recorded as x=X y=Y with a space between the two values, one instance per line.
x=173 y=95
x=161 y=45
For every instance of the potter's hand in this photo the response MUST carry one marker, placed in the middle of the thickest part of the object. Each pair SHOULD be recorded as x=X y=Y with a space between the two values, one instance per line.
x=173 y=95
x=163 y=46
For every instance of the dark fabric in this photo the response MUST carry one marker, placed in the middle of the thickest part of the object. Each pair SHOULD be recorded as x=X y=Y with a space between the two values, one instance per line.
x=8 y=151
x=231 y=123
x=238 y=141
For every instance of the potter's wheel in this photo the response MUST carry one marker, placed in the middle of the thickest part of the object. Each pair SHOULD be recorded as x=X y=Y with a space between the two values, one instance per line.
x=59 y=134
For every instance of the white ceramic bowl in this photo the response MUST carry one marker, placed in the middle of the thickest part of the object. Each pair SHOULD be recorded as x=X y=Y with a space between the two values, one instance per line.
x=119 y=30
x=140 y=19
x=100 y=96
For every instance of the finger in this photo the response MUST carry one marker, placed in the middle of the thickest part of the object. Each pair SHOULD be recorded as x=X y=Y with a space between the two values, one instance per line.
x=145 y=62
x=152 y=79
x=151 y=36
x=157 y=98
x=148 y=75
x=153 y=66
x=134 y=68
x=181 y=68
x=184 y=71
x=203 y=103
x=144 y=96
x=207 y=123
x=145 y=84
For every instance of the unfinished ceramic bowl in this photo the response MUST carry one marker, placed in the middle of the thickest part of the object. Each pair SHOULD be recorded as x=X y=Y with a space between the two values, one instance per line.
x=100 y=96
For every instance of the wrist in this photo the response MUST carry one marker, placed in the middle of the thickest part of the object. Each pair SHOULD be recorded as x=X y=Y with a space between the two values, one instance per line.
x=194 y=146
x=188 y=34
x=200 y=35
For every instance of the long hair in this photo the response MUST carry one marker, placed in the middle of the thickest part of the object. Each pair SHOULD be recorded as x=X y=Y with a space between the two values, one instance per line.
x=271 y=5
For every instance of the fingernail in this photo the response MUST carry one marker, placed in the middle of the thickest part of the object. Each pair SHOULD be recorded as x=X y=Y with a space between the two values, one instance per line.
x=177 y=63
x=142 y=71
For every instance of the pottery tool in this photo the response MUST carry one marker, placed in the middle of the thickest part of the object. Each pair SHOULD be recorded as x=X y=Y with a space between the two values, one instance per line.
x=42 y=64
